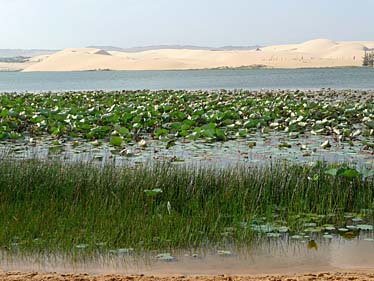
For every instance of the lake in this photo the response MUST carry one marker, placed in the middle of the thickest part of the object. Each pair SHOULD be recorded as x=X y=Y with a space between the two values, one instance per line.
x=337 y=78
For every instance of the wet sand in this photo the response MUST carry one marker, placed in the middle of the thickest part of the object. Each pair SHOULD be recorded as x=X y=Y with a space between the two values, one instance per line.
x=16 y=276
x=338 y=259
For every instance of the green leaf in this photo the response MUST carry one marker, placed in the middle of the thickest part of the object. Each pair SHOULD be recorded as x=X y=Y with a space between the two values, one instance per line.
x=116 y=141
x=284 y=145
x=349 y=173
x=220 y=135
x=161 y=132
x=366 y=173
x=123 y=131
x=252 y=144
x=332 y=172
x=152 y=192
x=209 y=133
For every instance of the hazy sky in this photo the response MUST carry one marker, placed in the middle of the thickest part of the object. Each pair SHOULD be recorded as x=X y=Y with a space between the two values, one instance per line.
x=128 y=23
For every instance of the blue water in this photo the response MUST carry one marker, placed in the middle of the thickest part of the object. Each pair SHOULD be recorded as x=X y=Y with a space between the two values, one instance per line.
x=341 y=78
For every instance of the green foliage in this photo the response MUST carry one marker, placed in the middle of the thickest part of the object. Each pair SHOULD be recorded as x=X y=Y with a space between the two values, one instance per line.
x=345 y=172
x=172 y=115
x=116 y=141
x=63 y=205
x=152 y=192
x=368 y=59
x=17 y=59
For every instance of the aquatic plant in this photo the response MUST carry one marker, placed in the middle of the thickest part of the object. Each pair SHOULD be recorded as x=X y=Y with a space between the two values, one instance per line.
x=121 y=117
x=81 y=206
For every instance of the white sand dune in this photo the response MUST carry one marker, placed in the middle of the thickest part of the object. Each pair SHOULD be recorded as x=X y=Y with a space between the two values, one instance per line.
x=314 y=53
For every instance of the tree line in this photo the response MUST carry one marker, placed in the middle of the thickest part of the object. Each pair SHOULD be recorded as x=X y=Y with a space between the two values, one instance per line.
x=368 y=59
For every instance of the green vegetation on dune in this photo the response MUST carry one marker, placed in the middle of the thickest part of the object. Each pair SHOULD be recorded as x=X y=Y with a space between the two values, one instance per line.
x=368 y=59
x=61 y=206
x=17 y=59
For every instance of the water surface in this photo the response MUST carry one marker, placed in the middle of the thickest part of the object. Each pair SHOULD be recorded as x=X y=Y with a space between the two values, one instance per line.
x=337 y=78
x=269 y=257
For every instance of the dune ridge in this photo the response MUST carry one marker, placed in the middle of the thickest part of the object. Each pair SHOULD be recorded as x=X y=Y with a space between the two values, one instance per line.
x=314 y=53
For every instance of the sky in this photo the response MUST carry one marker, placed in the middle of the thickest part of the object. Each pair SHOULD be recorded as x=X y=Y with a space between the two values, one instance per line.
x=57 y=24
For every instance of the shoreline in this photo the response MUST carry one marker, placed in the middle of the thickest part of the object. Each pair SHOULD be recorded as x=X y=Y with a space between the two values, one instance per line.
x=17 y=276
x=194 y=69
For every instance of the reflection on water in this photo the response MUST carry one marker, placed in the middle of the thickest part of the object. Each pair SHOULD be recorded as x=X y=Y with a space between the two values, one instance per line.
x=258 y=148
x=267 y=256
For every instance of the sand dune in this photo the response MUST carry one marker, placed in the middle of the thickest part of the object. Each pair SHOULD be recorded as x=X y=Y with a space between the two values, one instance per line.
x=314 y=53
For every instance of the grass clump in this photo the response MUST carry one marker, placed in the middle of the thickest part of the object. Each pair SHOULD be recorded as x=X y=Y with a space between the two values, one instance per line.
x=57 y=205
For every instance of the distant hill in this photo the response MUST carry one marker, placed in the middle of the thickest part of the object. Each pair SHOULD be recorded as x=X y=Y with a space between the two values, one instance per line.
x=237 y=48
x=107 y=48
x=176 y=47
x=9 y=53
x=319 y=52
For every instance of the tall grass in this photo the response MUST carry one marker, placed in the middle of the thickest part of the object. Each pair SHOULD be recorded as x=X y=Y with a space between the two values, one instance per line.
x=61 y=205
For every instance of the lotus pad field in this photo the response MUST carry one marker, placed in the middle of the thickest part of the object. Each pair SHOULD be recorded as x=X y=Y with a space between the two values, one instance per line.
x=130 y=115
x=134 y=123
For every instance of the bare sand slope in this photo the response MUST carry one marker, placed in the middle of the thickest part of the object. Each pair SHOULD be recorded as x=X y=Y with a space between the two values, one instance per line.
x=84 y=277
x=314 y=53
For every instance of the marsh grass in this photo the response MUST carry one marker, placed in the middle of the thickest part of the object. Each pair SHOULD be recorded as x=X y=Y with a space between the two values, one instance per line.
x=73 y=206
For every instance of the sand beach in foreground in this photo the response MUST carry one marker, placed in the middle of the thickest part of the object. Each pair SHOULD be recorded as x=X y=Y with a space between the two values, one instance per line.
x=14 y=276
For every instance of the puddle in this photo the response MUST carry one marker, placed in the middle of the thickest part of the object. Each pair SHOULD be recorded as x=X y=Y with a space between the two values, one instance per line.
x=271 y=256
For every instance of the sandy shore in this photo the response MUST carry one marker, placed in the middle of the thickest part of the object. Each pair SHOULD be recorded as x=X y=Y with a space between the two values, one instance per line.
x=310 y=54
x=14 y=276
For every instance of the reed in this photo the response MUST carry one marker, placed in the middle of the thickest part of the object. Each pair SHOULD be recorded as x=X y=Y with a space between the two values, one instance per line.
x=59 y=206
